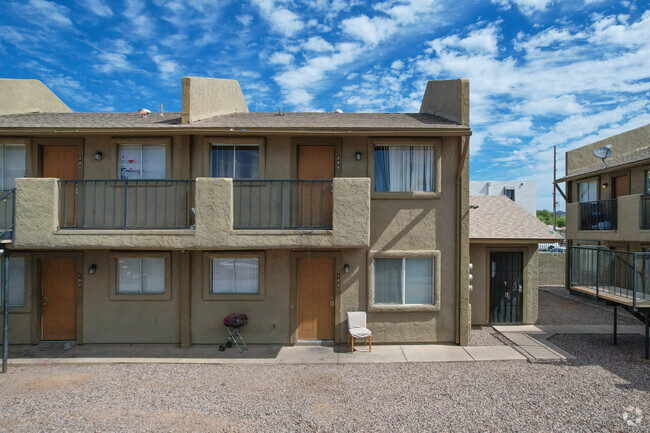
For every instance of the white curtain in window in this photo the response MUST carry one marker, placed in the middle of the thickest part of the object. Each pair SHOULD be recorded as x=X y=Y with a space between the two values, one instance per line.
x=153 y=162
x=153 y=275
x=235 y=275
x=406 y=168
x=142 y=161
x=388 y=281
x=13 y=164
x=246 y=275
x=16 y=281
x=418 y=278
x=129 y=272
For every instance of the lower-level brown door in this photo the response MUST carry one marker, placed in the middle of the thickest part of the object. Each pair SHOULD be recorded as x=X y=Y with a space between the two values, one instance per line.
x=59 y=298
x=316 y=299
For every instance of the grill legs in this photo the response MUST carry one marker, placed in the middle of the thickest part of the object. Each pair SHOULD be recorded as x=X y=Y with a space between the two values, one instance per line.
x=234 y=337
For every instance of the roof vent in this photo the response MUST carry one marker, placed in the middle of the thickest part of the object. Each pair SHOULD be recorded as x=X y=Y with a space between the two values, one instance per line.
x=143 y=112
x=338 y=111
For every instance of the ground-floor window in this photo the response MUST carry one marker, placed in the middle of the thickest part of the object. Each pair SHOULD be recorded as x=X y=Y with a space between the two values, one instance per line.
x=16 y=287
x=140 y=275
x=404 y=281
x=234 y=275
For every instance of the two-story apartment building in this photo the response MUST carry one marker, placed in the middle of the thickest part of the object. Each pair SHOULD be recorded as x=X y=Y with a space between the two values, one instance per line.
x=151 y=228
x=608 y=220
x=522 y=192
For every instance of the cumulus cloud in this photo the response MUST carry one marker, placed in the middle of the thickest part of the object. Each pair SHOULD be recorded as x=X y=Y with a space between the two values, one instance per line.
x=279 y=58
x=282 y=20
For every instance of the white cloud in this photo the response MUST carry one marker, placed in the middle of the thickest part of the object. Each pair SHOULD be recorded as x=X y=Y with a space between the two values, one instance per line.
x=49 y=12
x=279 y=58
x=317 y=44
x=245 y=20
x=169 y=69
x=141 y=24
x=282 y=20
x=112 y=62
x=527 y=7
x=98 y=7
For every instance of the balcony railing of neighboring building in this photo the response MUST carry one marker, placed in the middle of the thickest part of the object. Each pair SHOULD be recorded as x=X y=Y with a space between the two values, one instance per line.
x=645 y=212
x=620 y=273
x=7 y=214
x=126 y=204
x=599 y=215
x=282 y=204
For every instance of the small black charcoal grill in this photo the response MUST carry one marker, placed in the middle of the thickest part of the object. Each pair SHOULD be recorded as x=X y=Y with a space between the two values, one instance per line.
x=233 y=322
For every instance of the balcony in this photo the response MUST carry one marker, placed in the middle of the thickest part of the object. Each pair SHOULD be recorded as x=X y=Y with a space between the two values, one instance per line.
x=208 y=213
x=599 y=215
x=626 y=221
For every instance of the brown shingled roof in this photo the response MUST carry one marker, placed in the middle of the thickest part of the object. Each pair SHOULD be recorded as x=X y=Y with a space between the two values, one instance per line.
x=235 y=121
x=499 y=218
x=633 y=158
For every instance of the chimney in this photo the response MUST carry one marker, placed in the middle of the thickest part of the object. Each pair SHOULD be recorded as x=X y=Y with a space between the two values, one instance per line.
x=448 y=99
x=208 y=97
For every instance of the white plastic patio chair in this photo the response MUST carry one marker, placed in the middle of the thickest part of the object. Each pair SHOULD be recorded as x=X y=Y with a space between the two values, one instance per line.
x=357 y=329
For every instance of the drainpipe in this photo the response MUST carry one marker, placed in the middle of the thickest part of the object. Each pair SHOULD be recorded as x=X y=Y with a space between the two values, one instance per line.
x=459 y=206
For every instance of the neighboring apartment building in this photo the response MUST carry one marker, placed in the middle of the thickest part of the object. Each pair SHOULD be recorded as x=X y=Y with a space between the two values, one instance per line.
x=133 y=229
x=524 y=193
x=608 y=219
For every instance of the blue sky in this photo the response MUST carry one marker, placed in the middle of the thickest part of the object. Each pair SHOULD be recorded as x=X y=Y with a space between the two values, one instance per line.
x=542 y=72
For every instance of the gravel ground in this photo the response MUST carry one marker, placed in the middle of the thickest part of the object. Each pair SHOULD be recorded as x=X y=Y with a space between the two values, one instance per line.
x=589 y=395
x=558 y=310
x=486 y=336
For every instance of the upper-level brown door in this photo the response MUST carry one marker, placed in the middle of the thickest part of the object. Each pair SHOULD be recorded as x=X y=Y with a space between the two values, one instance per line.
x=62 y=163
x=621 y=186
x=59 y=302
x=315 y=198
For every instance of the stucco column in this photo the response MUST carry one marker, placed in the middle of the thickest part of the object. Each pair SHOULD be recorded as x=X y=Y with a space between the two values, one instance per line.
x=185 y=299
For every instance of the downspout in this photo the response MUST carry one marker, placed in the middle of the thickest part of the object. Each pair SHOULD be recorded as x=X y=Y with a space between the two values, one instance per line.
x=459 y=206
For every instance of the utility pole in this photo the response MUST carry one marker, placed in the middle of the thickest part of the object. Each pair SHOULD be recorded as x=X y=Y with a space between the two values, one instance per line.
x=554 y=192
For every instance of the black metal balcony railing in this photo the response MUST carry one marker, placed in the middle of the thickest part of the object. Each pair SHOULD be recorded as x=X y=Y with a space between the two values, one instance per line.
x=645 y=212
x=282 y=204
x=126 y=204
x=7 y=214
x=621 y=273
x=599 y=215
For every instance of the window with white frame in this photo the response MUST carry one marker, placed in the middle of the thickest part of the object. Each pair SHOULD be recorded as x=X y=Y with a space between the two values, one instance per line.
x=236 y=161
x=140 y=275
x=16 y=282
x=404 y=281
x=13 y=164
x=404 y=168
x=142 y=161
x=588 y=191
x=234 y=275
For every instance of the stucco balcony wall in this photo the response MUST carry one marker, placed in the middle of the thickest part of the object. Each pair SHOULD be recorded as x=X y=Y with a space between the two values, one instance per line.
x=629 y=223
x=37 y=201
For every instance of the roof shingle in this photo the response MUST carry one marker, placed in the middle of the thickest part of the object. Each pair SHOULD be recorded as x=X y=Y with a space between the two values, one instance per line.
x=499 y=218
x=235 y=121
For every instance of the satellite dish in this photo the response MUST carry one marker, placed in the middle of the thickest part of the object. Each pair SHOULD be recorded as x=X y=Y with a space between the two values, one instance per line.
x=603 y=153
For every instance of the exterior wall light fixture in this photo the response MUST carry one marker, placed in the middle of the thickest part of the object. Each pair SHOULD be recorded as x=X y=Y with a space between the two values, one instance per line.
x=346 y=268
x=92 y=269
x=98 y=156
x=605 y=185
x=358 y=156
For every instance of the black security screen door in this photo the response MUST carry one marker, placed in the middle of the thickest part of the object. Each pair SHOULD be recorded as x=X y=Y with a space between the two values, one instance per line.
x=506 y=287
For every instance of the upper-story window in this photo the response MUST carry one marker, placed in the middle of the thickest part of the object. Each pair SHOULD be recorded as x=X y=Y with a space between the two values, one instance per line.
x=647 y=181
x=236 y=161
x=13 y=164
x=510 y=193
x=142 y=161
x=404 y=168
x=588 y=191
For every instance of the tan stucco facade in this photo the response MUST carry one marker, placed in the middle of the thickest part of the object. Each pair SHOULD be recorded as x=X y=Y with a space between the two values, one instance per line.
x=28 y=96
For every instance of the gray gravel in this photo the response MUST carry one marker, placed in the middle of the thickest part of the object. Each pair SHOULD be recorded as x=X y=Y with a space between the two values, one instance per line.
x=558 y=310
x=589 y=395
x=486 y=336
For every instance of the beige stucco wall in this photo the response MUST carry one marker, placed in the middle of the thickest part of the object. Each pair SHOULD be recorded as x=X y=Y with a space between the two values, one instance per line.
x=480 y=295
x=28 y=96
x=626 y=142
x=448 y=99
x=208 y=97
x=552 y=269
x=37 y=221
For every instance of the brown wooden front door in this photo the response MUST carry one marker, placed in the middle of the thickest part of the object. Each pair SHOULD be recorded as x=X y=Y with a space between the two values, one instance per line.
x=316 y=299
x=315 y=198
x=59 y=304
x=620 y=186
x=62 y=163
